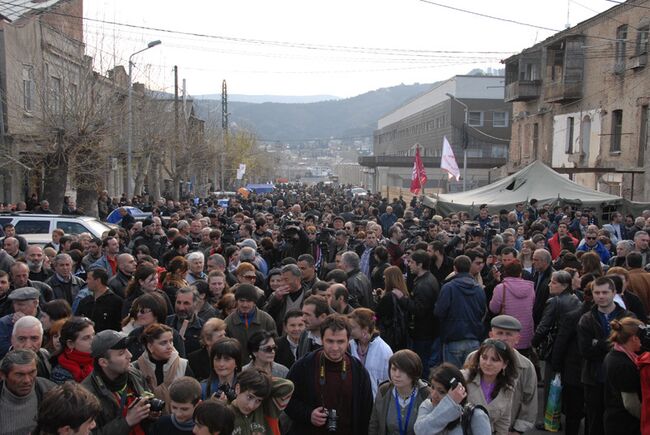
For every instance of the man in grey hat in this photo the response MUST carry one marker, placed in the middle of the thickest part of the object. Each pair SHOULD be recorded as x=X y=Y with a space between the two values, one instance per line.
x=524 y=402
x=117 y=385
x=25 y=303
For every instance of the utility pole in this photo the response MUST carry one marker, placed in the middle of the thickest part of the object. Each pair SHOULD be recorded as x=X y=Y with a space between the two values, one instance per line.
x=224 y=128
x=176 y=142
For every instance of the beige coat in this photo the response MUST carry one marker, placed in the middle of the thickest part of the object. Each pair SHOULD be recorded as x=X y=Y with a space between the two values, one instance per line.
x=498 y=409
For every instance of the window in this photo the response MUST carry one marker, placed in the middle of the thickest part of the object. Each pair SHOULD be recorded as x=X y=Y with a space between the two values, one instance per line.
x=28 y=88
x=499 y=119
x=617 y=130
x=71 y=227
x=642 y=40
x=621 y=45
x=55 y=95
x=33 y=227
x=570 y=125
x=475 y=119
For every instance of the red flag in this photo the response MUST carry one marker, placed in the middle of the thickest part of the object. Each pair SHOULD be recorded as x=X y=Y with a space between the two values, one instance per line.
x=419 y=177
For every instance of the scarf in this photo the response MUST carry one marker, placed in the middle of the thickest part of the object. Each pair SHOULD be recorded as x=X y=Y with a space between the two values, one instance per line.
x=119 y=384
x=186 y=426
x=629 y=354
x=79 y=364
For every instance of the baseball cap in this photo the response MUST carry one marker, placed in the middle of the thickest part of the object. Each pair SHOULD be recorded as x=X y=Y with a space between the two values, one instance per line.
x=107 y=340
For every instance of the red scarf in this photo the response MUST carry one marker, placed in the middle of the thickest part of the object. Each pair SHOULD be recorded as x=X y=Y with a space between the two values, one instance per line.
x=79 y=364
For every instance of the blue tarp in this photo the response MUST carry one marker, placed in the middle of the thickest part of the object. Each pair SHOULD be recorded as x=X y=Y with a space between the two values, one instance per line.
x=260 y=188
x=114 y=217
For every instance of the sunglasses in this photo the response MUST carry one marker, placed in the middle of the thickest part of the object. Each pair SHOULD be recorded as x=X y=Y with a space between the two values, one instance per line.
x=250 y=276
x=496 y=343
x=268 y=349
x=590 y=238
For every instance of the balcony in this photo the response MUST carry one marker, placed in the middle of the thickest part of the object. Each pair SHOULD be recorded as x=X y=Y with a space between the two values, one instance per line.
x=522 y=90
x=560 y=92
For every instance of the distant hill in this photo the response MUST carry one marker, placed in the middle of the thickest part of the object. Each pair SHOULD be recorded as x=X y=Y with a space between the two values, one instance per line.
x=344 y=118
x=268 y=98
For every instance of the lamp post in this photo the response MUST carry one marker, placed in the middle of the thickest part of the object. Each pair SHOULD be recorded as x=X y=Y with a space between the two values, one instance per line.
x=129 y=156
x=464 y=141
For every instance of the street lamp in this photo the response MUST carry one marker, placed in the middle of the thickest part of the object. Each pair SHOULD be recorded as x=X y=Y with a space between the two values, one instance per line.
x=129 y=169
x=464 y=142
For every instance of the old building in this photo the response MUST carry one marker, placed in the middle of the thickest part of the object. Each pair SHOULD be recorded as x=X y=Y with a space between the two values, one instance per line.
x=467 y=110
x=580 y=102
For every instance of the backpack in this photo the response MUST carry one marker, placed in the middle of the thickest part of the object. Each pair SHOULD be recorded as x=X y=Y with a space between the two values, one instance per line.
x=468 y=414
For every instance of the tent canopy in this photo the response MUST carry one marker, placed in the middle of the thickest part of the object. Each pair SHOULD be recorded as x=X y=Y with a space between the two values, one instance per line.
x=534 y=181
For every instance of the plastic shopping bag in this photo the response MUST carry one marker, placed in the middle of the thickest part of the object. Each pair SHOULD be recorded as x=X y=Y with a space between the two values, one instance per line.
x=553 y=411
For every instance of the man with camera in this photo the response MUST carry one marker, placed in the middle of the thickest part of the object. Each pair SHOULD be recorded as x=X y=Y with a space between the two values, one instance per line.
x=117 y=385
x=332 y=389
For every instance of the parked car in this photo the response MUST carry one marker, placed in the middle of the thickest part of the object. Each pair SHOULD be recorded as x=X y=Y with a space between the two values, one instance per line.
x=37 y=228
x=358 y=191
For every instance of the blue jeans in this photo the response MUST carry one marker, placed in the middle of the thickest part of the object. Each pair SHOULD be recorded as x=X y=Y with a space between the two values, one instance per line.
x=436 y=354
x=455 y=352
x=423 y=349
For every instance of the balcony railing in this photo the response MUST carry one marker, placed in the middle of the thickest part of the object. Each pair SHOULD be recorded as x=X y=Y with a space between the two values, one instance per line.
x=428 y=161
x=522 y=90
x=557 y=92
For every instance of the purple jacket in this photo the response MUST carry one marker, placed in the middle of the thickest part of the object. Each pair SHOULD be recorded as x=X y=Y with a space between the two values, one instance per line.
x=519 y=300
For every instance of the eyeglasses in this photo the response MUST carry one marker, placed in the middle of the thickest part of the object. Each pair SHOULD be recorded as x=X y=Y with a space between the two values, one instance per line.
x=144 y=310
x=590 y=238
x=251 y=277
x=268 y=349
x=502 y=346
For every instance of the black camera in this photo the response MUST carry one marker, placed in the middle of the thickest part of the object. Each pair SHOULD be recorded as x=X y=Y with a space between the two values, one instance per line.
x=228 y=391
x=155 y=404
x=332 y=420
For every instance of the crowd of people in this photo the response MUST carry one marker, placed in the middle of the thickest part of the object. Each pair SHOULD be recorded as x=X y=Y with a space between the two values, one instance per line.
x=311 y=310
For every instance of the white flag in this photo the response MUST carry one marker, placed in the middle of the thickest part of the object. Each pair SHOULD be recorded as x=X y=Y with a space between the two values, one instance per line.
x=448 y=161
x=242 y=168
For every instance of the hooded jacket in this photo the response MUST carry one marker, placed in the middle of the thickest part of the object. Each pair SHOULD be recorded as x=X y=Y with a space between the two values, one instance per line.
x=519 y=297
x=460 y=309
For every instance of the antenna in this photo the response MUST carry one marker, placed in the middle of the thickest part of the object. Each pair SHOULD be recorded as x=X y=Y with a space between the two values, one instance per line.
x=568 y=8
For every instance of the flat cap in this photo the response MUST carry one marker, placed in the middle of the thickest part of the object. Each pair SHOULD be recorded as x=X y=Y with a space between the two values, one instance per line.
x=503 y=321
x=107 y=340
x=24 y=294
x=248 y=243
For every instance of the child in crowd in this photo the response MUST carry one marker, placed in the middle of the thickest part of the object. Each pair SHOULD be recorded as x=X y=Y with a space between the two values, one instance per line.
x=185 y=394
x=259 y=401
x=211 y=417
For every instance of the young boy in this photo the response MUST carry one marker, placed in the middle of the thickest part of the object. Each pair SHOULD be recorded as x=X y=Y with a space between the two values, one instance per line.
x=185 y=395
x=259 y=402
x=211 y=417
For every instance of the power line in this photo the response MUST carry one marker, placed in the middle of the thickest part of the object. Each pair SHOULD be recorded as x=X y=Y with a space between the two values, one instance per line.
x=507 y=20
x=355 y=49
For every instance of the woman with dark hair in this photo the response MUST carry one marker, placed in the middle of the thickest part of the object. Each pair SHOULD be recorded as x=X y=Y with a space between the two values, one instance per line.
x=491 y=374
x=622 y=378
x=204 y=309
x=368 y=347
x=441 y=413
x=231 y=254
x=273 y=281
x=262 y=349
x=225 y=357
x=53 y=342
x=392 y=321
x=161 y=364
x=175 y=277
x=147 y=310
x=404 y=390
x=591 y=264
x=515 y=297
x=74 y=362
x=227 y=305
x=377 y=274
x=52 y=311
x=145 y=281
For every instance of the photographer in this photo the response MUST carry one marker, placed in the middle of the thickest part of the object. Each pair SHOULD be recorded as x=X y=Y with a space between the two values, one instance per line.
x=117 y=385
x=295 y=239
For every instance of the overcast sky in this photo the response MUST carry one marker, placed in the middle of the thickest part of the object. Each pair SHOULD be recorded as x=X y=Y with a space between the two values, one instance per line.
x=310 y=47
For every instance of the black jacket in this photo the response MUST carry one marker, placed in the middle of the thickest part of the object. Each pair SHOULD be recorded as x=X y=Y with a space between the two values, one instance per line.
x=283 y=354
x=304 y=400
x=594 y=345
x=76 y=284
x=118 y=283
x=199 y=362
x=105 y=311
x=192 y=333
x=360 y=289
x=556 y=308
x=421 y=304
x=565 y=357
x=541 y=293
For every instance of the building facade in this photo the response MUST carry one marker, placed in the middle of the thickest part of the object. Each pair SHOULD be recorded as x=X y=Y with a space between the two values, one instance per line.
x=580 y=102
x=467 y=110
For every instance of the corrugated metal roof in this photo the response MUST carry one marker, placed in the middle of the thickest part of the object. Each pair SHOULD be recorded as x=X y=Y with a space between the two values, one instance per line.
x=15 y=9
